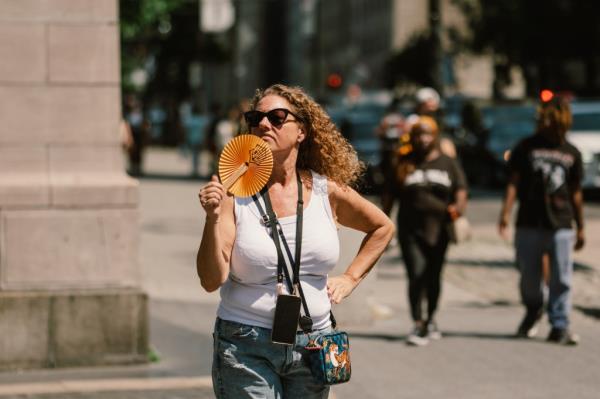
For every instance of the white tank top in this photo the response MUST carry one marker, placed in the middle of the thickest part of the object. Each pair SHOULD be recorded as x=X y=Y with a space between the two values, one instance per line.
x=248 y=296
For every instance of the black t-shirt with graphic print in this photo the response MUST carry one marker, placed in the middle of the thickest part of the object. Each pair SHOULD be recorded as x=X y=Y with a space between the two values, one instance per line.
x=425 y=196
x=548 y=175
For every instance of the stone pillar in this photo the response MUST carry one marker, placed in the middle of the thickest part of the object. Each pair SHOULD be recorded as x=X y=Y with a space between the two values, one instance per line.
x=70 y=289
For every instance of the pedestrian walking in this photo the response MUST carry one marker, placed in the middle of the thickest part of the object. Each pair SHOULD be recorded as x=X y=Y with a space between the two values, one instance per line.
x=428 y=104
x=195 y=125
x=133 y=115
x=216 y=116
x=389 y=131
x=545 y=176
x=309 y=190
x=432 y=194
x=225 y=130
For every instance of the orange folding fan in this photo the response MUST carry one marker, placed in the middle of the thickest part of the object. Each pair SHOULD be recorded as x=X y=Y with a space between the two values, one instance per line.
x=245 y=165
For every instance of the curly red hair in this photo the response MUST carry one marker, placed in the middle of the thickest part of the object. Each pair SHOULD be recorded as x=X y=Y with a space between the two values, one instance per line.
x=324 y=149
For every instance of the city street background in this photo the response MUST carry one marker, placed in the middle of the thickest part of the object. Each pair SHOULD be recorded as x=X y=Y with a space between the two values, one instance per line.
x=479 y=313
x=110 y=107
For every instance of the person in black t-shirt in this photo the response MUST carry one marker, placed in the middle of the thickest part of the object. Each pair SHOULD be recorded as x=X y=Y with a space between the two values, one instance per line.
x=432 y=193
x=545 y=175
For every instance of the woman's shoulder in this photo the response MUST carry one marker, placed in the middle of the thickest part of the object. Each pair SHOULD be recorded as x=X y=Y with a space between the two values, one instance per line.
x=323 y=185
x=319 y=183
x=447 y=160
x=239 y=200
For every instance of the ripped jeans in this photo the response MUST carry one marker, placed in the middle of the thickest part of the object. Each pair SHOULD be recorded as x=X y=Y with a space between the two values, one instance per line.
x=246 y=364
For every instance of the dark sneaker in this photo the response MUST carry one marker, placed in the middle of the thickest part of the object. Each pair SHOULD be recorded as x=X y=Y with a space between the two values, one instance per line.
x=562 y=336
x=529 y=325
x=417 y=337
x=433 y=332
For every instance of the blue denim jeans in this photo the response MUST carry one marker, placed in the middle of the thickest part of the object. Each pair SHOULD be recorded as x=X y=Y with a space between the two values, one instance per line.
x=530 y=245
x=246 y=364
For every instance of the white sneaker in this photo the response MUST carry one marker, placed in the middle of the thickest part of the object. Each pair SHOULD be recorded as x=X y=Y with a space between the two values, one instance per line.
x=433 y=332
x=416 y=337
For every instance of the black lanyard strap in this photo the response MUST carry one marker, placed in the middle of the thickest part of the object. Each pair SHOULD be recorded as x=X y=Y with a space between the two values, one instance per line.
x=271 y=223
x=294 y=263
x=269 y=219
x=276 y=232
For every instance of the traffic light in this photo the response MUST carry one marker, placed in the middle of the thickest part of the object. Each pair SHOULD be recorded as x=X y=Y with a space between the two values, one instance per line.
x=546 y=95
x=334 y=81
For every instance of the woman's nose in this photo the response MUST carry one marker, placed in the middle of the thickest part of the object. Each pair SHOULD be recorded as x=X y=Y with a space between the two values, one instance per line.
x=264 y=123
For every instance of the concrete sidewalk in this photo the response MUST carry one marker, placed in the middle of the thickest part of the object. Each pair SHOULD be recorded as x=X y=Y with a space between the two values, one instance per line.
x=479 y=313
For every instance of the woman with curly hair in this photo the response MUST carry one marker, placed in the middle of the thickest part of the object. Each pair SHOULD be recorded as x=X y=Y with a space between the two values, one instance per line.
x=314 y=168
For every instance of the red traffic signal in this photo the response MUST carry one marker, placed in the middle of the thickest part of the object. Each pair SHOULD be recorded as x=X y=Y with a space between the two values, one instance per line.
x=546 y=95
x=334 y=80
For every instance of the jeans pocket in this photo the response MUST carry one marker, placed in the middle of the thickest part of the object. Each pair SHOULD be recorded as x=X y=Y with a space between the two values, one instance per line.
x=245 y=332
x=233 y=330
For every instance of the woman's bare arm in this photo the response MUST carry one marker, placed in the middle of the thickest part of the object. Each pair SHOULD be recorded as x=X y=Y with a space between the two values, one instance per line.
x=356 y=212
x=214 y=254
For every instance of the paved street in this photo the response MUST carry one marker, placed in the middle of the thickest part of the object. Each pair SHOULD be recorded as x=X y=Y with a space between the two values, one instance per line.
x=479 y=312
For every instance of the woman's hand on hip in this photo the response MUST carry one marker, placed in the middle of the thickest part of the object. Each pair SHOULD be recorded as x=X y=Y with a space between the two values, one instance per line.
x=339 y=287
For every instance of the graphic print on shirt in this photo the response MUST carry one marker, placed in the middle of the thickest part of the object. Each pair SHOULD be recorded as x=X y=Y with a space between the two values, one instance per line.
x=552 y=167
x=436 y=176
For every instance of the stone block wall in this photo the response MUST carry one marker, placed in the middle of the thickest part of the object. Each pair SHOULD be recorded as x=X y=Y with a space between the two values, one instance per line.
x=68 y=212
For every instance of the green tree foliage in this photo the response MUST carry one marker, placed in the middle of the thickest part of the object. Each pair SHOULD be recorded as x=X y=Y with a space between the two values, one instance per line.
x=412 y=63
x=144 y=25
x=160 y=39
x=165 y=33
x=555 y=42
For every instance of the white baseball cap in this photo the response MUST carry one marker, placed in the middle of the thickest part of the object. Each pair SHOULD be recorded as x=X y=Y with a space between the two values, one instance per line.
x=426 y=94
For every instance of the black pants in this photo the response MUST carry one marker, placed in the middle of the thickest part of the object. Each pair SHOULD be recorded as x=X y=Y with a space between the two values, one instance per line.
x=424 y=263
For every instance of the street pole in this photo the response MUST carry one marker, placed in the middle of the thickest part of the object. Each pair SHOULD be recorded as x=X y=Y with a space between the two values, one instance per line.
x=435 y=27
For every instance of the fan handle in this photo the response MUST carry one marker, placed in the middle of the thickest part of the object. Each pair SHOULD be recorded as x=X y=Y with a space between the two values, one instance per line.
x=235 y=176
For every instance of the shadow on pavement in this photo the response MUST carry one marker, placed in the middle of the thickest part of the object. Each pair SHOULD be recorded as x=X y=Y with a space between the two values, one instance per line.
x=591 y=312
x=491 y=304
x=481 y=262
x=478 y=335
x=377 y=336
x=446 y=334
x=501 y=263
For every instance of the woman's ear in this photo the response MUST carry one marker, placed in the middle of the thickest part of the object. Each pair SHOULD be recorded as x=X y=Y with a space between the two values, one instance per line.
x=301 y=135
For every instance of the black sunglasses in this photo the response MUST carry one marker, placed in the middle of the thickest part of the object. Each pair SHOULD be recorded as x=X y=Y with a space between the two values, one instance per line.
x=275 y=116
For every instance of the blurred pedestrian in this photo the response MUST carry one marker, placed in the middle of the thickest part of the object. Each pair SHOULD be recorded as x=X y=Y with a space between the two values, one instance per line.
x=545 y=173
x=428 y=104
x=309 y=190
x=432 y=193
x=216 y=116
x=244 y=105
x=134 y=116
x=125 y=136
x=195 y=125
x=472 y=123
x=389 y=131
x=477 y=159
x=225 y=130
